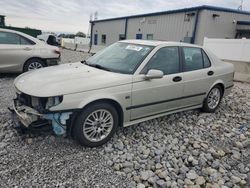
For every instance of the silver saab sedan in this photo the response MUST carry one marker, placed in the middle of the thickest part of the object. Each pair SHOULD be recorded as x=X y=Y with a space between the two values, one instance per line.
x=126 y=83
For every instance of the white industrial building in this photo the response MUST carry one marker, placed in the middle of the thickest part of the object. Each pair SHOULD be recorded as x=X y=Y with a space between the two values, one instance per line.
x=187 y=25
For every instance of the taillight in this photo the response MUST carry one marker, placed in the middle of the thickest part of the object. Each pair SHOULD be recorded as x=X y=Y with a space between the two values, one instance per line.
x=57 y=52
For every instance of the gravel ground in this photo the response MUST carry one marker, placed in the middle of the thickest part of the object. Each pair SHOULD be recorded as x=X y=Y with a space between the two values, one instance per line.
x=69 y=56
x=187 y=149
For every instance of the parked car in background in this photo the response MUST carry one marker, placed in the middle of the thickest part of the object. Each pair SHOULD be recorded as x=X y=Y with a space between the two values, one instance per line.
x=126 y=83
x=49 y=39
x=20 y=52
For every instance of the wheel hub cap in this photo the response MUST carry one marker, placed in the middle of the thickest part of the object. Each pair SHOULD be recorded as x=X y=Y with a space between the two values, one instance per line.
x=98 y=125
x=34 y=66
x=214 y=98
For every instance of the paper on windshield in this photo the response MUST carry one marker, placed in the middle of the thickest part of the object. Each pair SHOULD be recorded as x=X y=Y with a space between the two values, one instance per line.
x=133 y=47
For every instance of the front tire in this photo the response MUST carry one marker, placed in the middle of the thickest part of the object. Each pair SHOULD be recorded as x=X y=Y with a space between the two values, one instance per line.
x=213 y=99
x=33 y=64
x=96 y=124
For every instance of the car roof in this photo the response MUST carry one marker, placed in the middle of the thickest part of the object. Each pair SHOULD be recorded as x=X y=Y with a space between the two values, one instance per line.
x=158 y=43
x=12 y=31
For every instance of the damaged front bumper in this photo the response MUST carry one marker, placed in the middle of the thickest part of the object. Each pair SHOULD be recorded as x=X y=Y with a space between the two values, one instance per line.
x=30 y=118
x=26 y=115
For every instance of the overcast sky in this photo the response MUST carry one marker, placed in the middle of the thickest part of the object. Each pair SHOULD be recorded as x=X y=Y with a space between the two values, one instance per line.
x=73 y=15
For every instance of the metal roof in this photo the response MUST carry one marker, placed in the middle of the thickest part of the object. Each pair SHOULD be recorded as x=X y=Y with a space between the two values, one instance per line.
x=203 y=7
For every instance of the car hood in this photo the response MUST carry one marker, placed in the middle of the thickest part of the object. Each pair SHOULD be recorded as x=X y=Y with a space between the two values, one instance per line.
x=66 y=79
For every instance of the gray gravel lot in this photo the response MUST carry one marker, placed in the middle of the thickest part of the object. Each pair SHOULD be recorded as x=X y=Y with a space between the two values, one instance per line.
x=69 y=56
x=187 y=149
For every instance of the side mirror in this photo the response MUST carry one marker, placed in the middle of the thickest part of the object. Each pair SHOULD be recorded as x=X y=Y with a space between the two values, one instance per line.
x=154 y=74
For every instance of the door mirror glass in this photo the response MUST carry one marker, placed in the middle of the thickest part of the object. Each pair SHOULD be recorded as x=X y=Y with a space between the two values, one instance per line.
x=154 y=74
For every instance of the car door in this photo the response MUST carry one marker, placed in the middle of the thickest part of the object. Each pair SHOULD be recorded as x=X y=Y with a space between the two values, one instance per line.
x=154 y=96
x=197 y=76
x=14 y=51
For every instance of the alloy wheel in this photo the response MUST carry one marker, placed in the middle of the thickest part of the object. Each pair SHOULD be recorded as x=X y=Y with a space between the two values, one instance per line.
x=34 y=66
x=214 y=98
x=98 y=125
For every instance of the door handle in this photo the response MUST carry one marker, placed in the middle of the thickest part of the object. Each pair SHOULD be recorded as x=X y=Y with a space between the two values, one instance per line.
x=210 y=73
x=27 y=48
x=177 y=79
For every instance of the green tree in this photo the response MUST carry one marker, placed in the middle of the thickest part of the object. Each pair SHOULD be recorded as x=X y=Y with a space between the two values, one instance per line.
x=80 y=34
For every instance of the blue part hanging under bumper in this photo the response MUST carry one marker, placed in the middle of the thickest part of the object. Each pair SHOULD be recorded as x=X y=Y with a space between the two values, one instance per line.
x=58 y=122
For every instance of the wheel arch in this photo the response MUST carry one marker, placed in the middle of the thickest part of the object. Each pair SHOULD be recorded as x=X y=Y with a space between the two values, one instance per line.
x=219 y=83
x=34 y=58
x=113 y=102
x=205 y=107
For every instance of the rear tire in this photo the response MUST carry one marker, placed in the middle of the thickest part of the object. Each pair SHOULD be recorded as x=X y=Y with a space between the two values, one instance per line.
x=96 y=124
x=33 y=64
x=213 y=99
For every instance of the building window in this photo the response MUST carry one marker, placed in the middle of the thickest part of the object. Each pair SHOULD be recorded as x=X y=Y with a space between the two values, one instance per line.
x=138 y=36
x=122 y=37
x=103 y=39
x=95 y=39
x=150 y=36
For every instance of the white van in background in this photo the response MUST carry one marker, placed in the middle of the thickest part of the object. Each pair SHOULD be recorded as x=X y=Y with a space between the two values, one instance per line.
x=49 y=39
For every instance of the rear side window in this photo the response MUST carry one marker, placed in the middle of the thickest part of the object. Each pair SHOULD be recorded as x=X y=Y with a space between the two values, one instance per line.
x=193 y=59
x=12 y=38
x=206 y=60
x=25 y=41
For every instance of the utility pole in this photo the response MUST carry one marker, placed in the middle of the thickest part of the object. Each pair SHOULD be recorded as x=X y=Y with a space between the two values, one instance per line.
x=90 y=19
x=241 y=5
x=96 y=15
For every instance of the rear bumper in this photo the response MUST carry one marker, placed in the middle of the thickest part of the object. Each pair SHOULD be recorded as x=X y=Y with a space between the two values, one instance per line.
x=53 y=61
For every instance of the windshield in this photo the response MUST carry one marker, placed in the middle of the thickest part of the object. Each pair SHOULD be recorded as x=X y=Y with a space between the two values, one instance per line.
x=120 y=57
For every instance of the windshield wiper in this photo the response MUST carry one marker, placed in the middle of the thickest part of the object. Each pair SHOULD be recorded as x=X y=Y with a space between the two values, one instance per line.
x=94 y=65
x=99 y=67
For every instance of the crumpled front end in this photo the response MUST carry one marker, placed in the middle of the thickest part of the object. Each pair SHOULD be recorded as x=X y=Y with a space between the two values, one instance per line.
x=33 y=112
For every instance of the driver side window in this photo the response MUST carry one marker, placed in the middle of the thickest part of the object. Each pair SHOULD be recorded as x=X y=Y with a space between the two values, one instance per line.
x=165 y=59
